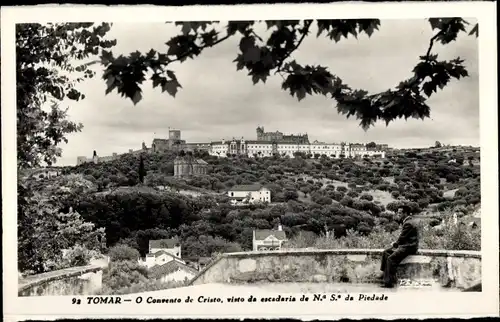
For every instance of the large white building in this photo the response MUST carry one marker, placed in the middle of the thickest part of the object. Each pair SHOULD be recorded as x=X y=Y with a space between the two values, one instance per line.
x=246 y=194
x=266 y=149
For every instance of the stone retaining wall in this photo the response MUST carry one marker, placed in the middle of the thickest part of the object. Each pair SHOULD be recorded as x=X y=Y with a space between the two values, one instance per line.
x=457 y=269
x=81 y=280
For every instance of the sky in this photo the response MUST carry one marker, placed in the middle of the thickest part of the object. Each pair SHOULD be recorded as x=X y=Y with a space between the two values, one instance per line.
x=217 y=102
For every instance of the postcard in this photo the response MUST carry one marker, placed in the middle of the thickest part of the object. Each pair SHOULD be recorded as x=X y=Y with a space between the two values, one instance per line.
x=272 y=161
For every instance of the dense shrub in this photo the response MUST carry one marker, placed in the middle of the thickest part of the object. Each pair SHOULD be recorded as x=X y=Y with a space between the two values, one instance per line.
x=456 y=237
x=337 y=195
x=123 y=253
x=123 y=274
x=366 y=197
x=79 y=256
x=353 y=194
x=342 y=189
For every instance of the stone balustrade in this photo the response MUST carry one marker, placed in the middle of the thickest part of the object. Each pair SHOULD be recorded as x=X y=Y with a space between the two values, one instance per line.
x=80 y=280
x=445 y=268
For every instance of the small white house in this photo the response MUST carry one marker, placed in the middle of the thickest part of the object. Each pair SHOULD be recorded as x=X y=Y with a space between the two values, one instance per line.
x=162 y=251
x=245 y=194
x=159 y=258
x=268 y=239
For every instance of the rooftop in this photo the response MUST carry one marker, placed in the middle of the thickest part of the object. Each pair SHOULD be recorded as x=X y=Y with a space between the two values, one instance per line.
x=262 y=234
x=247 y=187
x=158 y=271
x=161 y=252
x=164 y=243
x=189 y=159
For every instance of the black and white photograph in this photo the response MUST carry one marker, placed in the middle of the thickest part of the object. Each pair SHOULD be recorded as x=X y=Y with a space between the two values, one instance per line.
x=251 y=163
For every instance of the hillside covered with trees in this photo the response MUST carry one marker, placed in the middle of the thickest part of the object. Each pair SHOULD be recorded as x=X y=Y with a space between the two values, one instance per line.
x=308 y=195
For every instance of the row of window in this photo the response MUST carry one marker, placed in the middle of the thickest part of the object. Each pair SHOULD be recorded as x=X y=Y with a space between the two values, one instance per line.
x=284 y=147
x=295 y=147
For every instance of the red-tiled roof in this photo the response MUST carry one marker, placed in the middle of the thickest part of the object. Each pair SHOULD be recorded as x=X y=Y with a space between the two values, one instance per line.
x=161 y=252
x=158 y=271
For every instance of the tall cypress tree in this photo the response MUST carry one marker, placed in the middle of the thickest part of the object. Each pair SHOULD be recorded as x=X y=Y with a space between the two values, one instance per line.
x=142 y=170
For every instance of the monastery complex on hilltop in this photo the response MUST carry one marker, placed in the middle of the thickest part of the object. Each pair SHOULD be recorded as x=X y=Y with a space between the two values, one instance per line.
x=277 y=143
x=266 y=144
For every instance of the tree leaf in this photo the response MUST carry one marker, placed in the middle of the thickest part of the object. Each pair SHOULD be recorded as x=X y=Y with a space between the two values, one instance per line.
x=209 y=38
x=239 y=62
x=435 y=23
x=171 y=87
x=251 y=55
x=171 y=75
x=335 y=35
x=137 y=97
x=300 y=93
x=246 y=43
x=186 y=27
x=240 y=26
x=475 y=30
x=157 y=80
x=323 y=25
x=428 y=88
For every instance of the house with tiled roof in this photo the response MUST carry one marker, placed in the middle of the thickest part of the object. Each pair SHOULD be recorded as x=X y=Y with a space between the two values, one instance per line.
x=173 y=271
x=268 y=239
x=247 y=194
x=162 y=251
x=171 y=245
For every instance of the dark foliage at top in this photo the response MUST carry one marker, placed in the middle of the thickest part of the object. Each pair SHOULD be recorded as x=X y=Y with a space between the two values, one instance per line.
x=262 y=56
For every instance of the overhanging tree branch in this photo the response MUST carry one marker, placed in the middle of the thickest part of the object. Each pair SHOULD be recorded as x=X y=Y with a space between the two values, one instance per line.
x=403 y=101
x=305 y=31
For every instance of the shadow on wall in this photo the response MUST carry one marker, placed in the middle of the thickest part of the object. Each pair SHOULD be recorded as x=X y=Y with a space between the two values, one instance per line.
x=452 y=269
